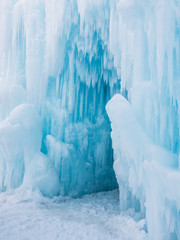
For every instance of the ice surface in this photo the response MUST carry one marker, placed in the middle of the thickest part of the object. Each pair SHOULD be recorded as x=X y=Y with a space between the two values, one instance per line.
x=94 y=216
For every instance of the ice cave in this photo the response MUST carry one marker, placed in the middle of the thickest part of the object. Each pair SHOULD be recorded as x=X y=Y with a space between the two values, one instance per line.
x=89 y=103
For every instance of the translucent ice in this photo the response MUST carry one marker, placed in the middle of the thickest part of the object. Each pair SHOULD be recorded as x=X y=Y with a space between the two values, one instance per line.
x=20 y=158
x=146 y=132
x=61 y=62
x=54 y=56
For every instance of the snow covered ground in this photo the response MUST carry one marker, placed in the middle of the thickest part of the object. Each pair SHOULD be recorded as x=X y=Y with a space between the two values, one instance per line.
x=92 y=217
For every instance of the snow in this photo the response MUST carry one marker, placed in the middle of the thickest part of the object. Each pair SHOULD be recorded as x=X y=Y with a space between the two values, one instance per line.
x=93 y=216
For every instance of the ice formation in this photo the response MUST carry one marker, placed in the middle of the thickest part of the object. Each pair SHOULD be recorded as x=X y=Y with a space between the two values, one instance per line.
x=61 y=62
x=145 y=129
x=147 y=174
x=54 y=58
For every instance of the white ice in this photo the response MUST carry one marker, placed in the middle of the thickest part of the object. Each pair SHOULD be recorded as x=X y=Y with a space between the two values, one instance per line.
x=94 y=216
x=60 y=63
x=147 y=173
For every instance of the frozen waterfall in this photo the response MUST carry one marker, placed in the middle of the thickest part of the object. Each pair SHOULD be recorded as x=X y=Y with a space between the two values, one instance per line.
x=62 y=62
x=55 y=59
x=146 y=128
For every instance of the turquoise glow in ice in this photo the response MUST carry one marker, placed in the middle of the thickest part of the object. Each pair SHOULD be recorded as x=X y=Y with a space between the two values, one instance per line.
x=61 y=62
x=54 y=60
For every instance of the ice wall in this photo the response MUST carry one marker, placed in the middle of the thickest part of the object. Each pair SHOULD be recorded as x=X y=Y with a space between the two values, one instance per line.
x=146 y=52
x=145 y=131
x=80 y=89
x=147 y=174
x=61 y=61
x=55 y=56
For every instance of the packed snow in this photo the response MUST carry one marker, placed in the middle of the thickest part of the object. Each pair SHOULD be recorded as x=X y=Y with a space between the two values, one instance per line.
x=94 y=216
